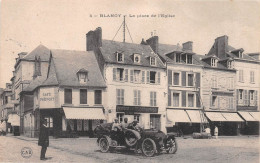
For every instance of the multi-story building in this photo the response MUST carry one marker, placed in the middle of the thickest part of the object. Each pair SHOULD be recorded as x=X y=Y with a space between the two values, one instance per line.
x=246 y=81
x=70 y=97
x=135 y=77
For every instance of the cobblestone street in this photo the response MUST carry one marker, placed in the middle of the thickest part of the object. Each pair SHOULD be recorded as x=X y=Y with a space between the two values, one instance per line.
x=224 y=149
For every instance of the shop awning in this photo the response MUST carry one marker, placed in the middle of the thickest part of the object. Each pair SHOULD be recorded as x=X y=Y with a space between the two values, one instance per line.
x=195 y=116
x=232 y=117
x=84 y=113
x=256 y=115
x=14 y=119
x=177 y=116
x=215 y=116
x=247 y=116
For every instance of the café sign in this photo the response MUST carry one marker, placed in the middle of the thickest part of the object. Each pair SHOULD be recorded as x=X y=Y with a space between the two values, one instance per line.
x=47 y=98
x=136 y=109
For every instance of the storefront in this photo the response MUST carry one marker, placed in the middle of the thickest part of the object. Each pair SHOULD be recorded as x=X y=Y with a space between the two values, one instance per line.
x=228 y=123
x=14 y=121
x=184 y=122
x=251 y=125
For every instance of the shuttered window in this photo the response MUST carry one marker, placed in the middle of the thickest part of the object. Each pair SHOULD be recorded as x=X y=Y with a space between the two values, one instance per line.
x=143 y=77
x=120 y=93
x=153 y=99
x=131 y=76
x=126 y=75
x=137 y=97
x=68 y=96
x=98 y=97
x=176 y=99
x=176 y=78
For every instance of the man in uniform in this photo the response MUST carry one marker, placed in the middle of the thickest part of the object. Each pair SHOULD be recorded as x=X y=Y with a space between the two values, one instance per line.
x=43 y=138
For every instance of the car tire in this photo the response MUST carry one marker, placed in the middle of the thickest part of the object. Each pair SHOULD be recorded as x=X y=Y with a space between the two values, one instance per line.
x=148 y=147
x=104 y=145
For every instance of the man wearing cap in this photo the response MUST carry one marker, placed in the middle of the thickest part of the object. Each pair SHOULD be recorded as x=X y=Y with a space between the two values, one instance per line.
x=43 y=138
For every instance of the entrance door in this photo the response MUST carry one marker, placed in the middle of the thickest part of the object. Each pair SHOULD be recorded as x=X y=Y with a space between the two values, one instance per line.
x=49 y=124
x=155 y=121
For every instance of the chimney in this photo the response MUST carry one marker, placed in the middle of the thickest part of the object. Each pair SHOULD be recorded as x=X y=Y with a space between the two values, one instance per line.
x=154 y=43
x=22 y=54
x=221 y=46
x=94 y=39
x=187 y=46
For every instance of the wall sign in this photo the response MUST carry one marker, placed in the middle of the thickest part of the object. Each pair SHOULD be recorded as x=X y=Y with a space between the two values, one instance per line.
x=47 y=98
x=137 y=109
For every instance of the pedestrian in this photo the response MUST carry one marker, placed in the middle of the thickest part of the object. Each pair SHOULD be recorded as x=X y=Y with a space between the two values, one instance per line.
x=216 y=132
x=125 y=124
x=43 y=138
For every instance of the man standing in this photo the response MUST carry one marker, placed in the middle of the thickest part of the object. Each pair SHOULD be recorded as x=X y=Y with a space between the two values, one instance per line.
x=43 y=138
x=216 y=132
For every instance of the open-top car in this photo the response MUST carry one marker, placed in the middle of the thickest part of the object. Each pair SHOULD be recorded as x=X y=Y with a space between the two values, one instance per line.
x=148 y=141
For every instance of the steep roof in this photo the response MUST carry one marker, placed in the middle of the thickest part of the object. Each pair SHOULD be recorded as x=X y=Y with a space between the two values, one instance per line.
x=109 y=49
x=34 y=84
x=40 y=51
x=66 y=63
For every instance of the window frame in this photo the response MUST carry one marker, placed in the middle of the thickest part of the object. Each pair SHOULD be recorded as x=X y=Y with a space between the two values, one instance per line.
x=152 y=60
x=120 y=98
x=137 y=98
x=179 y=72
x=187 y=79
x=139 y=58
x=178 y=58
x=80 y=102
x=153 y=98
x=139 y=80
x=241 y=75
x=118 y=74
x=187 y=99
x=213 y=62
x=180 y=98
x=117 y=57
x=95 y=97
x=187 y=59
x=252 y=77
x=65 y=101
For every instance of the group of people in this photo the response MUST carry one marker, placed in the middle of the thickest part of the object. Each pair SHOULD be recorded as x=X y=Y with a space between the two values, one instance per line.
x=207 y=130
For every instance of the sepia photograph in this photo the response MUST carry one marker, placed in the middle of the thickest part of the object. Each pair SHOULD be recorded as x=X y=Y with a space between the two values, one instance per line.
x=142 y=81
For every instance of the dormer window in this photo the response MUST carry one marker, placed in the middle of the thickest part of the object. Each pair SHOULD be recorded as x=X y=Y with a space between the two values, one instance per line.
x=137 y=58
x=82 y=75
x=120 y=57
x=189 y=59
x=213 y=62
x=152 y=61
x=230 y=64
x=178 y=58
x=240 y=54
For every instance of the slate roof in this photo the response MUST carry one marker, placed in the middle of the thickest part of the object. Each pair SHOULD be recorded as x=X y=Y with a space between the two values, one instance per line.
x=245 y=56
x=109 y=49
x=39 y=51
x=34 y=84
x=66 y=63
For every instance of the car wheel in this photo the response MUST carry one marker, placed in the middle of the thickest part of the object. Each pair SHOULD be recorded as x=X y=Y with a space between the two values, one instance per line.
x=148 y=147
x=104 y=145
x=173 y=146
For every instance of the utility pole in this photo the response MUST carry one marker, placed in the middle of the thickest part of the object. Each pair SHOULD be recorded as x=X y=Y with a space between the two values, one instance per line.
x=124 y=30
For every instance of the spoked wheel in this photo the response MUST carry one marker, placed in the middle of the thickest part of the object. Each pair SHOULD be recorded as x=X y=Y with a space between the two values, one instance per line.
x=172 y=146
x=130 y=138
x=148 y=147
x=104 y=145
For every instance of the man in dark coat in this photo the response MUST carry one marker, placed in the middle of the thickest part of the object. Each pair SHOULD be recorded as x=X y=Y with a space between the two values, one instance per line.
x=43 y=138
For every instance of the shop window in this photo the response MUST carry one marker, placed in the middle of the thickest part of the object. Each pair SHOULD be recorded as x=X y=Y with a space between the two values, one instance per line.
x=120 y=96
x=79 y=125
x=176 y=99
x=68 y=96
x=83 y=96
x=120 y=117
x=190 y=80
x=49 y=121
x=98 y=96
x=191 y=100
x=153 y=99
x=137 y=97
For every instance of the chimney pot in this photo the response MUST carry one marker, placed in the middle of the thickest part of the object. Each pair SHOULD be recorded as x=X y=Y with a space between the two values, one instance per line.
x=187 y=46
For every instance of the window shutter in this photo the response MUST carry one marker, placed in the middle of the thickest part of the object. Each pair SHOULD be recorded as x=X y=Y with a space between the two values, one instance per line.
x=211 y=101
x=158 y=77
x=197 y=80
x=114 y=74
x=183 y=78
x=183 y=98
x=151 y=98
x=198 y=100
x=123 y=97
x=139 y=97
x=237 y=96
x=256 y=97
x=143 y=77
x=169 y=98
x=245 y=97
x=148 y=76
x=131 y=76
x=126 y=75
x=169 y=77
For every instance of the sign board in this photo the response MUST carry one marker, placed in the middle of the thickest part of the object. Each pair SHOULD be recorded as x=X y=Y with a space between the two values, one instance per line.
x=47 y=98
x=137 y=109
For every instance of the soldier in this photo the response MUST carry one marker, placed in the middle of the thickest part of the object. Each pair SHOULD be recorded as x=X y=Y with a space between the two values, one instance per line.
x=43 y=138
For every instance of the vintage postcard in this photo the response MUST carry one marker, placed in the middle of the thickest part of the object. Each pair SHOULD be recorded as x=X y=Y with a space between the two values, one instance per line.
x=129 y=81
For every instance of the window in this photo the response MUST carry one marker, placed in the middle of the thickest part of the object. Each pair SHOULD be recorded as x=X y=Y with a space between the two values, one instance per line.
x=153 y=99
x=176 y=99
x=49 y=121
x=120 y=117
x=189 y=59
x=120 y=74
x=241 y=76
x=214 y=101
x=240 y=94
x=83 y=96
x=252 y=77
x=136 y=58
x=214 y=82
x=251 y=95
x=178 y=58
x=137 y=97
x=68 y=96
x=152 y=61
x=190 y=80
x=6 y=100
x=183 y=58
x=82 y=77
x=240 y=54
x=137 y=117
x=120 y=96
x=98 y=97
x=120 y=57
x=152 y=76
x=137 y=76
x=176 y=78
x=191 y=100
x=231 y=83
x=230 y=64
x=213 y=62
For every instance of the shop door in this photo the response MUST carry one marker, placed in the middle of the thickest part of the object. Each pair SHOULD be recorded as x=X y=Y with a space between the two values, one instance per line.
x=50 y=125
x=155 y=121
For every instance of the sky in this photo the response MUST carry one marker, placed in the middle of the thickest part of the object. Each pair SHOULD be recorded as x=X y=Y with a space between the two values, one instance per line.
x=63 y=24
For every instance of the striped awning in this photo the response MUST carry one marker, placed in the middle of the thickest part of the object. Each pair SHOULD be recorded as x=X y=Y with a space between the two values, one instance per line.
x=196 y=116
x=177 y=116
x=232 y=117
x=84 y=113
x=256 y=115
x=247 y=116
x=223 y=117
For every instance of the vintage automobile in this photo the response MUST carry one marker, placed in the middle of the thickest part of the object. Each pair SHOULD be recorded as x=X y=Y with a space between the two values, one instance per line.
x=149 y=141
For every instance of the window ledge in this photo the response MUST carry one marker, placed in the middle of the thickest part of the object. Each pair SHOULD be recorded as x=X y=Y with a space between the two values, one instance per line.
x=83 y=105
x=67 y=104
x=98 y=105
